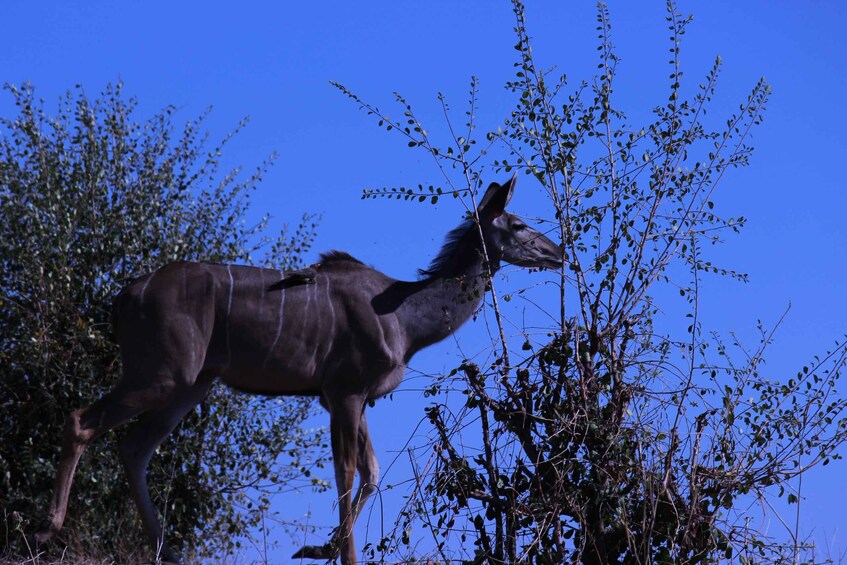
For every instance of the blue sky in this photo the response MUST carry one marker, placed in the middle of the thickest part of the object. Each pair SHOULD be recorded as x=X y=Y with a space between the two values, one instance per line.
x=273 y=61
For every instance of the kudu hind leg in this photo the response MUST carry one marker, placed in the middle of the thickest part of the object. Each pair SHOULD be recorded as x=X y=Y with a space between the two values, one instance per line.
x=84 y=426
x=138 y=447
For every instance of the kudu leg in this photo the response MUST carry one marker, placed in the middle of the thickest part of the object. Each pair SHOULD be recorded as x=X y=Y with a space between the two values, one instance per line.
x=345 y=417
x=138 y=447
x=368 y=469
x=83 y=427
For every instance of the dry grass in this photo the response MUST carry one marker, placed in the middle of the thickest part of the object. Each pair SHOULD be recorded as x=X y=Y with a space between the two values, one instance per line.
x=38 y=560
x=68 y=549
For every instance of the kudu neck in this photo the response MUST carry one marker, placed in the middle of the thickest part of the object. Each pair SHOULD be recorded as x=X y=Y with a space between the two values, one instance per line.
x=447 y=298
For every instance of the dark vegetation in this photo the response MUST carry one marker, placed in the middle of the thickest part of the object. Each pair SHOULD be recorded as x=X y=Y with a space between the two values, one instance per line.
x=91 y=197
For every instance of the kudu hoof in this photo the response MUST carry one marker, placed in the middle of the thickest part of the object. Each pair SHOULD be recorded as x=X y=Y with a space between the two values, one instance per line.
x=44 y=532
x=41 y=536
x=326 y=551
x=162 y=560
x=169 y=557
x=34 y=542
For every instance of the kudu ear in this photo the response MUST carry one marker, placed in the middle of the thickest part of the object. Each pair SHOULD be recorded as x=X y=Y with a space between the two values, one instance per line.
x=496 y=198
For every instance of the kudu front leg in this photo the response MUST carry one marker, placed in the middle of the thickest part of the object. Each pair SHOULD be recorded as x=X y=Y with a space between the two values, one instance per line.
x=345 y=417
x=368 y=466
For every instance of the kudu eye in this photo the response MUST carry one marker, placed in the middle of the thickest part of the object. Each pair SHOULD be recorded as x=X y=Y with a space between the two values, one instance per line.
x=519 y=227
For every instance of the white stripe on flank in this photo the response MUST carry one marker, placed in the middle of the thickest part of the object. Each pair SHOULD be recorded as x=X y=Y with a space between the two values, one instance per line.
x=228 y=310
x=317 y=322
x=332 y=316
x=308 y=303
x=279 y=326
x=144 y=288
x=306 y=316
x=329 y=303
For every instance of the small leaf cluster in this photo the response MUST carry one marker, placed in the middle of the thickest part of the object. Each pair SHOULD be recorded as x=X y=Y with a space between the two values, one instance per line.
x=420 y=194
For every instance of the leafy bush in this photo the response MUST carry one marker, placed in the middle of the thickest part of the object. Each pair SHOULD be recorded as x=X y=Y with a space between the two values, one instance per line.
x=89 y=199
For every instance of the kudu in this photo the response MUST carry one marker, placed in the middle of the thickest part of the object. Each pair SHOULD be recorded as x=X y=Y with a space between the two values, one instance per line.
x=340 y=330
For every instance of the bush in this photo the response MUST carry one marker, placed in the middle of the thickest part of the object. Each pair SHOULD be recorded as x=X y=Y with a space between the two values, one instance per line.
x=89 y=199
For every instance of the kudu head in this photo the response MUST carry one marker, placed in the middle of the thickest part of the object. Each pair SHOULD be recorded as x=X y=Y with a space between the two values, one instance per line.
x=508 y=238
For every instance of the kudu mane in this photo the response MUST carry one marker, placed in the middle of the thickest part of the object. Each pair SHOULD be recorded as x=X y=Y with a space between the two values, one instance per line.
x=452 y=250
x=335 y=256
x=454 y=244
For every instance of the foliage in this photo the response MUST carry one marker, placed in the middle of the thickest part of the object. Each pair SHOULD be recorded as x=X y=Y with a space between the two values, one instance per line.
x=606 y=441
x=89 y=199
